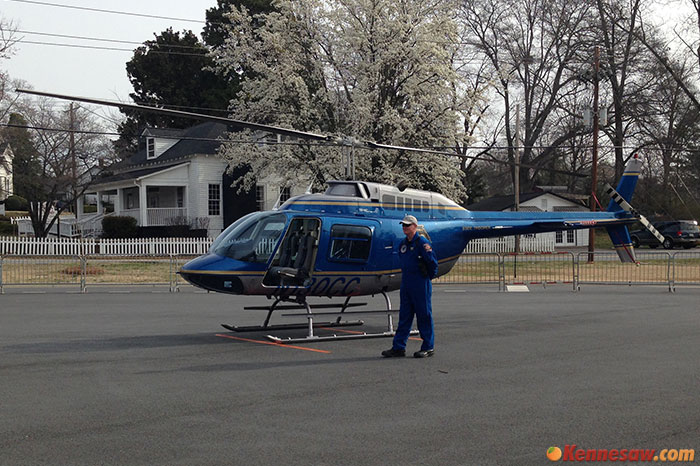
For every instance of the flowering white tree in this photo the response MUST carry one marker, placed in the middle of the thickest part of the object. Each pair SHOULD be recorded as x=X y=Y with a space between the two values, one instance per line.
x=373 y=70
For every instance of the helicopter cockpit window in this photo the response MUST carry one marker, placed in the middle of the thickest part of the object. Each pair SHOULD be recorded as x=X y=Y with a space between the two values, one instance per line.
x=252 y=238
x=350 y=243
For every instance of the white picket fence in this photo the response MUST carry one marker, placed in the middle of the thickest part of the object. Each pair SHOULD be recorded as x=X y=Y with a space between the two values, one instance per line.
x=528 y=243
x=25 y=246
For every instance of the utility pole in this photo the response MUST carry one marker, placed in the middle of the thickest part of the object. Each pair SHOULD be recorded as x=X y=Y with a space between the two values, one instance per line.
x=516 y=176
x=74 y=165
x=594 y=168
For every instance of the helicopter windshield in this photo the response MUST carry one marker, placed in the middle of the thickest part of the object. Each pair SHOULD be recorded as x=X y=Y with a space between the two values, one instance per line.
x=252 y=238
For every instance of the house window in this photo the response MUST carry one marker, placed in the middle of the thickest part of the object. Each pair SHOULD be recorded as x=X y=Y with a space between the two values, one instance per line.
x=559 y=237
x=153 y=197
x=544 y=205
x=214 y=199
x=285 y=194
x=180 y=197
x=570 y=236
x=260 y=197
x=130 y=204
x=150 y=148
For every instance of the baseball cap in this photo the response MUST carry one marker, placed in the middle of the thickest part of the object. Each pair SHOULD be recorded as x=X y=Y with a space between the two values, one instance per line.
x=409 y=220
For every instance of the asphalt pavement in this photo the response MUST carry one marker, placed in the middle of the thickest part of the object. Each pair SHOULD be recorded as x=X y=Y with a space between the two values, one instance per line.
x=150 y=378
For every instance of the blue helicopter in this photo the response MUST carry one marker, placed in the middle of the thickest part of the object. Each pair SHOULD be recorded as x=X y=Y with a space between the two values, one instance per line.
x=343 y=243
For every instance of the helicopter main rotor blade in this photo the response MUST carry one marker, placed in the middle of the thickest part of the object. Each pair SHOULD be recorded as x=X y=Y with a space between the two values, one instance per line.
x=184 y=114
x=330 y=139
x=374 y=145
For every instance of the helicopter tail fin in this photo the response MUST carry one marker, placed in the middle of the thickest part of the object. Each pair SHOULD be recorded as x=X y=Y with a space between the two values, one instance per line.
x=622 y=242
x=619 y=234
x=625 y=188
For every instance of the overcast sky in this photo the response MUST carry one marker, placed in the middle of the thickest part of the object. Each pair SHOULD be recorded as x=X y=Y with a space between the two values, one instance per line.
x=101 y=73
x=83 y=71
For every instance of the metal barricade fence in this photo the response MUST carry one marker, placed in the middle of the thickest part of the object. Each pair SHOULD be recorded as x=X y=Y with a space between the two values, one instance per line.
x=473 y=268
x=652 y=268
x=41 y=270
x=129 y=270
x=685 y=269
x=538 y=269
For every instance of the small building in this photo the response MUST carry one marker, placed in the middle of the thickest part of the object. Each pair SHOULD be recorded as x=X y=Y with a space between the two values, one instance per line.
x=6 y=181
x=544 y=199
x=177 y=178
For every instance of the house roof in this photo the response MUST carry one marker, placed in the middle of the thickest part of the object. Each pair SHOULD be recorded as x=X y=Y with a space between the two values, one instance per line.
x=199 y=139
x=134 y=174
x=500 y=203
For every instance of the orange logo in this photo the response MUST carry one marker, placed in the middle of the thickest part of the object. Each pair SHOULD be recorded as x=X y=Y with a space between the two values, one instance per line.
x=554 y=453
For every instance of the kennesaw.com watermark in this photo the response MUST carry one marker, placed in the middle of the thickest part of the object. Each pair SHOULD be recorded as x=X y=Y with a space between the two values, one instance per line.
x=573 y=453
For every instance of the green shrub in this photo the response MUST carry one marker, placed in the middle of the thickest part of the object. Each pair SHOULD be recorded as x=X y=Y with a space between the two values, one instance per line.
x=16 y=203
x=7 y=229
x=119 y=227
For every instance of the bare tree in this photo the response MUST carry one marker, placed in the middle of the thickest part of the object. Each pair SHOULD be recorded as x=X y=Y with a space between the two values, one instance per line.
x=8 y=38
x=624 y=67
x=66 y=146
x=531 y=47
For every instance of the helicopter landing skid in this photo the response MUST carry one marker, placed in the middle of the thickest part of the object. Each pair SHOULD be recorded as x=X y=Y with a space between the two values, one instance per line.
x=257 y=328
x=348 y=336
x=299 y=303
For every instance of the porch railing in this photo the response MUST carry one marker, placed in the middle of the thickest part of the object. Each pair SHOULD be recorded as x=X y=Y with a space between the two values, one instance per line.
x=165 y=215
x=158 y=216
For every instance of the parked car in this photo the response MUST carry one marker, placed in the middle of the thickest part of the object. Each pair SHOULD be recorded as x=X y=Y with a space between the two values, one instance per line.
x=683 y=233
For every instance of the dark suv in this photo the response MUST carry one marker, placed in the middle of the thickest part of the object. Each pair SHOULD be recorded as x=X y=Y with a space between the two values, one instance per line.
x=676 y=233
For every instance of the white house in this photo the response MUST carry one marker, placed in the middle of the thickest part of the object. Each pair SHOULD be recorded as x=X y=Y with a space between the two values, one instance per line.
x=6 y=182
x=178 y=178
x=545 y=199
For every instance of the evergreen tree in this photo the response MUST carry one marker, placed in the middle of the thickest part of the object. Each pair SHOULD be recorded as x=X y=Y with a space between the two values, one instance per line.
x=173 y=71
x=26 y=167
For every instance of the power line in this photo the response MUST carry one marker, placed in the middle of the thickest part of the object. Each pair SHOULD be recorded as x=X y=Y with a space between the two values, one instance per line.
x=113 y=49
x=98 y=10
x=98 y=39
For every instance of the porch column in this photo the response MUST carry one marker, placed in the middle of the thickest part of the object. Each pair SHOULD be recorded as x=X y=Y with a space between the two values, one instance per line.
x=186 y=201
x=143 y=206
x=118 y=203
x=100 y=208
x=79 y=206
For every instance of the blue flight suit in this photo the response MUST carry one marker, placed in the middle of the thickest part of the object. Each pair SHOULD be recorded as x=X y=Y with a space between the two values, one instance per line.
x=416 y=291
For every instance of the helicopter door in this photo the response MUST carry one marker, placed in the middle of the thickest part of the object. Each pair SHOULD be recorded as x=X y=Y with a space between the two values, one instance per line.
x=294 y=261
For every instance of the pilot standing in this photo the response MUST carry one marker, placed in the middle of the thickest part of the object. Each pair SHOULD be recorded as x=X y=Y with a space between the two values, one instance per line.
x=418 y=266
